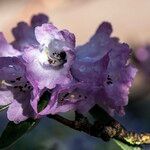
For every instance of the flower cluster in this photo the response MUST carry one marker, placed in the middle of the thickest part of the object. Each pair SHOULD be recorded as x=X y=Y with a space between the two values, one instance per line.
x=43 y=58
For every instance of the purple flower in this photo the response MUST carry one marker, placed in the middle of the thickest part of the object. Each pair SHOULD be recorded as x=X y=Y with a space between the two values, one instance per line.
x=103 y=62
x=6 y=50
x=46 y=52
x=49 y=63
x=15 y=89
x=97 y=72
x=102 y=73
x=24 y=34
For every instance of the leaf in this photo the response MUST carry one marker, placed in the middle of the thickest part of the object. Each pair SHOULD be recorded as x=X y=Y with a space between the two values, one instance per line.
x=125 y=146
x=3 y=107
x=44 y=99
x=14 y=132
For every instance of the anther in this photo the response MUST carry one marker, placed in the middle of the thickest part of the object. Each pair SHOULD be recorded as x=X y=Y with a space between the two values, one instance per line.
x=19 y=78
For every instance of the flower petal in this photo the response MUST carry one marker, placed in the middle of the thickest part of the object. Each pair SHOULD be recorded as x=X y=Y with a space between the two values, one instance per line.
x=11 y=68
x=24 y=36
x=46 y=33
x=39 y=19
x=69 y=38
x=6 y=50
x=6 y=97
x=18 y=112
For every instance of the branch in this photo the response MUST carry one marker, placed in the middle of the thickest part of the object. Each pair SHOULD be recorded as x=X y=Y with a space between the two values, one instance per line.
x=113 y=129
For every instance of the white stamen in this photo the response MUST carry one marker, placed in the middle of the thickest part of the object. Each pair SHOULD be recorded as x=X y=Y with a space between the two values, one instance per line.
x=11 y=66
x=3 y=82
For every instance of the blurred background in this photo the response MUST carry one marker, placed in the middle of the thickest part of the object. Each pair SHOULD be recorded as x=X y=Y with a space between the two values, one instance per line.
x=131 y=23
x=130 y=19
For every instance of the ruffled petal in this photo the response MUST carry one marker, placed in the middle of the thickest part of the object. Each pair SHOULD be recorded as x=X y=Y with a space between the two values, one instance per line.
x=69 y=38
x=39 y=19
x=46 y=33
x=19 y=110
x=24 y=36
x=24 y=33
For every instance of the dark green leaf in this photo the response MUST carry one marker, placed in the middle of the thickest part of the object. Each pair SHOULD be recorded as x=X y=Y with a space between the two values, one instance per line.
x=44 y=99
x=125 y=146
x=13 y=132
x=3 y=107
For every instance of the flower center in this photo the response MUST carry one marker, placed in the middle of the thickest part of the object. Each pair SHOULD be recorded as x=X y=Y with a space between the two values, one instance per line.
x=57 y=59
x=53 y=58
x=71 y=97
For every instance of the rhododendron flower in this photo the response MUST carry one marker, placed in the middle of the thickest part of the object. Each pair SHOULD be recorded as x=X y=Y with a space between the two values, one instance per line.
x=103 y=62
x=97 y=72
x=15 y=89
x=102 y=68
x=49 y=62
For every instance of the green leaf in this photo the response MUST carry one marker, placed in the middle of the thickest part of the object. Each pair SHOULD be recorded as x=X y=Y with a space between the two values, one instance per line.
x=44 y=99
x=125 y=146
x=3 y=107
x=14 y=132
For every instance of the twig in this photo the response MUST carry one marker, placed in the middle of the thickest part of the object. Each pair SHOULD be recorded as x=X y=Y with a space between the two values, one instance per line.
x=111 y=130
